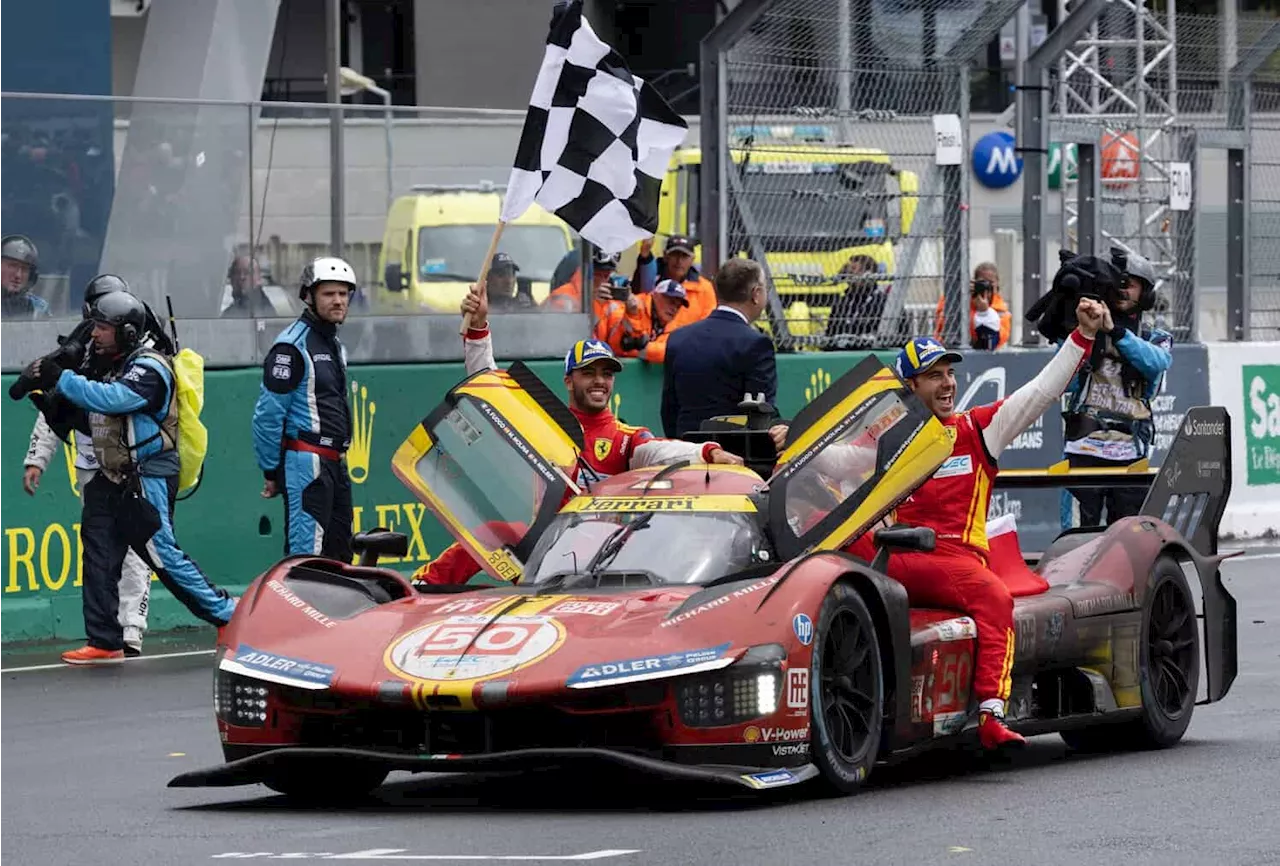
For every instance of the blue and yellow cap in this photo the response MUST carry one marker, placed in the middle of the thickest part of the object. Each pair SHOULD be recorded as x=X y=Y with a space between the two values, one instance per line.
x=920 y=354
x=585 y=352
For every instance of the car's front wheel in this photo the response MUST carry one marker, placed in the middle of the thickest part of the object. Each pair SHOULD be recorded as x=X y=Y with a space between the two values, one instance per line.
x=1168 y=669
x=846 y=688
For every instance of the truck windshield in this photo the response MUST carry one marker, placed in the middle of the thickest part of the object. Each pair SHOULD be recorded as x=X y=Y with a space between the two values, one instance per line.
x=817 y=207
x=454 y=253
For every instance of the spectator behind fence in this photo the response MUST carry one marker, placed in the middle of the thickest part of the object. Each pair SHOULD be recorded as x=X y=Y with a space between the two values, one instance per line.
x=20 y=272
x=990 y=322
x=855 y=318
x=249 y=296
x=640 y=327
x=507 y=292
x=713 y=363
x=676 y=264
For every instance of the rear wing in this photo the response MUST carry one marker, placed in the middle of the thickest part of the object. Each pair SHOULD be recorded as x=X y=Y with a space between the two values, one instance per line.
x=1189 y=491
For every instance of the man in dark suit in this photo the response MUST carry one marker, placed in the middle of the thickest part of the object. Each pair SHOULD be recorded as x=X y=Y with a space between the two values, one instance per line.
x=713 y=363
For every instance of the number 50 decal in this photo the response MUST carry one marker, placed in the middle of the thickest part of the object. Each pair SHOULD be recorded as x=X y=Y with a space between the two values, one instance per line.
x=956 y=669
x=464 y=648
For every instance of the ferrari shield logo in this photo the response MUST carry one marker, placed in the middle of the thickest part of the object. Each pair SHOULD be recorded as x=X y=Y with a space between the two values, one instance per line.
x=602 y=448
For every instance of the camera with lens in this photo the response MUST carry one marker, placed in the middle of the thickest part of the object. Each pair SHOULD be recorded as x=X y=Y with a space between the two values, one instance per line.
x=620 y=287
x=982 y=287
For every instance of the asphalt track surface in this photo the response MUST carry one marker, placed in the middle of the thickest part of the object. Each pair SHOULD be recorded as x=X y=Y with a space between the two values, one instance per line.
x=87 y=754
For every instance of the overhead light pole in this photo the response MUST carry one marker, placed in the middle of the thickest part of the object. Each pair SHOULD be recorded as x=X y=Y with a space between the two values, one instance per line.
x=353 y=82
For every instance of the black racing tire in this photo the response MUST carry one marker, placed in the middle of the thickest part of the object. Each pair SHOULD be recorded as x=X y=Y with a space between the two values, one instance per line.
x=1168 y=669
x=318 y=783
x=846 y=691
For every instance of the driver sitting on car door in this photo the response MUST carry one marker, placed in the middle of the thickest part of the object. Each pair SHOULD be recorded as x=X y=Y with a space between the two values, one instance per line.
x=612 y=447
x=954 y=504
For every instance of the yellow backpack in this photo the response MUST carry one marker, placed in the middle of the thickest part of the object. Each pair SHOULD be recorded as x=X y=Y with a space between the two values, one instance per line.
x=193 y=437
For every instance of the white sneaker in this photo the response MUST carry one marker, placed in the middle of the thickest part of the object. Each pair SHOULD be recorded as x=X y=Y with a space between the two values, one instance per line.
x=132 y=641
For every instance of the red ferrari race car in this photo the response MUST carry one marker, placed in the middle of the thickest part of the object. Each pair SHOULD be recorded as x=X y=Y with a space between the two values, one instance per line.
x=700 y=622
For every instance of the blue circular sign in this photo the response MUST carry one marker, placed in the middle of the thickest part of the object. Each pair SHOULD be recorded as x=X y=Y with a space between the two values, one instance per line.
x=995 y=163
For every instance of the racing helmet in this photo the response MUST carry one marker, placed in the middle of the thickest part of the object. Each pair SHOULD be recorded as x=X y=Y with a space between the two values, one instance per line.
x=326 y=269
x=102 y=284
x=1141 y=269
x=125 y=313
x=20 y=248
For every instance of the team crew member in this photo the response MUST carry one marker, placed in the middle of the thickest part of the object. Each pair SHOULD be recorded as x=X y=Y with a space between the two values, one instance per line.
x=134 y=417
x=134 y=577
x=1109 y=421
x=302 y=421
x=955 y=500
x=21 y=270
x=611 y=446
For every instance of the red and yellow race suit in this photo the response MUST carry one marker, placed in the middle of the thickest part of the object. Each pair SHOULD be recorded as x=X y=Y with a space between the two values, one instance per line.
x=611 y=447
x=954 y=503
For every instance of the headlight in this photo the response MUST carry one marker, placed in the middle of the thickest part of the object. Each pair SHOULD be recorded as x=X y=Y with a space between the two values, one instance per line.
x=745 y=690
x=239 y=700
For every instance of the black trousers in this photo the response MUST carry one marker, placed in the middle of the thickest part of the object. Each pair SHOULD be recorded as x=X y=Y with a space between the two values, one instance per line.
x=317 y=508
x=114 y=520
x=1118 y=501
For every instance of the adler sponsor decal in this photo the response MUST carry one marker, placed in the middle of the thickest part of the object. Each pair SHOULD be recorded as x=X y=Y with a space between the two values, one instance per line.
x=721 y=600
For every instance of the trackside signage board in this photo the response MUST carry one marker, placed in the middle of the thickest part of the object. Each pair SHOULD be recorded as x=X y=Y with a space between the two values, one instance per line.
x=235 y=534
x=1245 y=378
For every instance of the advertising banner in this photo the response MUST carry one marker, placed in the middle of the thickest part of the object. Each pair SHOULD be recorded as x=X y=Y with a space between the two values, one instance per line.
x=1245 y=378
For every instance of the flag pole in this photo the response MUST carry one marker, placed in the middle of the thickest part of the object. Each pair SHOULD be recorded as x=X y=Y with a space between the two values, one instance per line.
x=484 y=272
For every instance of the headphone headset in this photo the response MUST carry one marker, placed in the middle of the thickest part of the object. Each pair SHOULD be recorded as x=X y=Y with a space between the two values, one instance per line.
x=33 y=268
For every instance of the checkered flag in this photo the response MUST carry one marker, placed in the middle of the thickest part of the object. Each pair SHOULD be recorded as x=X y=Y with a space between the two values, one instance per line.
x=596 y=142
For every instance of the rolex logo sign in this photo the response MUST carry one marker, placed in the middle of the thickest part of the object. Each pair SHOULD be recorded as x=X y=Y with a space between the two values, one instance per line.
x=362 y=411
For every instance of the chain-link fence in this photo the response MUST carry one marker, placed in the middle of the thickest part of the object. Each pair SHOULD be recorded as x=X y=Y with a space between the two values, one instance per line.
x=831 y=177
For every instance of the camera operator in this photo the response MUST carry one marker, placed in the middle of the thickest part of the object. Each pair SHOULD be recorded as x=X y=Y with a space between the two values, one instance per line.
x=989 y=320
x=132 y=575
x=1108 y=417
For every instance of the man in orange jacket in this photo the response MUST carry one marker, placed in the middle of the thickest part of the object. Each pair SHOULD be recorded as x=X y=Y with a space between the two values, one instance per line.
x=676 y=264
x=641 y=327
x=990 y=322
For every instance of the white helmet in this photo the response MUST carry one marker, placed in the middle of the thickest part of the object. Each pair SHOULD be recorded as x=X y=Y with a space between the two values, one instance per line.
x=326 y=269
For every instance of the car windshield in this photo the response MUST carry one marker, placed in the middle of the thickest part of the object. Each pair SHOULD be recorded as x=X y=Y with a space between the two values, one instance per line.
x=665 y=549
x=810 y=206
x=454 y=253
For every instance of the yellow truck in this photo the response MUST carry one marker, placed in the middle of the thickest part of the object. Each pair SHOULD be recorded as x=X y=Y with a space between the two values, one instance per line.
x=435 y=239
x=813 y=206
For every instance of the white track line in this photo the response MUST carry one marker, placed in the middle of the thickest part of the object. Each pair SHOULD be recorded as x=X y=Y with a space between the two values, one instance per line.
x=65 y=666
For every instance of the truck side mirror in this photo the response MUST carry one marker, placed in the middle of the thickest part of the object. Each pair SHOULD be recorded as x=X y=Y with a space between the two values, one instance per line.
x=394 y=278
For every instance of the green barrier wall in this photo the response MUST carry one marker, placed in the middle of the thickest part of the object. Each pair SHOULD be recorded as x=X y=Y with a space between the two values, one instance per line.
x=230 y=529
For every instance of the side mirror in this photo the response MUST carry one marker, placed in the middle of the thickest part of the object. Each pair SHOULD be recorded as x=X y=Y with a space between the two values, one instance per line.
x=394 y=278
x=377 y=542
x=919 y=539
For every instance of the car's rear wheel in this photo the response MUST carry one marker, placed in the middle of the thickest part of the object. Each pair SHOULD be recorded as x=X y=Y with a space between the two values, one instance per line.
x=1168 y=669
x=846 y=691
x=332 y=782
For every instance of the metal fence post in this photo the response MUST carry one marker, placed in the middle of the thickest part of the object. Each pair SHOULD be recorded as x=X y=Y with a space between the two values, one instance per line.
x=1033 y=105
x=337 y=160
x=1239 y=199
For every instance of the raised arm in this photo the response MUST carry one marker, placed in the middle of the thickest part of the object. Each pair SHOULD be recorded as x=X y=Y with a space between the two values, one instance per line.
x=1020 y=409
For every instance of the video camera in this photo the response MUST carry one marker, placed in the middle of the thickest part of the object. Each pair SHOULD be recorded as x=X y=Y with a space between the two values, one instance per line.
x=1077 y=277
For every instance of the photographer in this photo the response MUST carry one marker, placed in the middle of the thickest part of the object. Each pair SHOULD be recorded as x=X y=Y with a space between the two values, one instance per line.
x=989 y=320
x=639 y=327
x=132 y=575
x=1108 y=419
